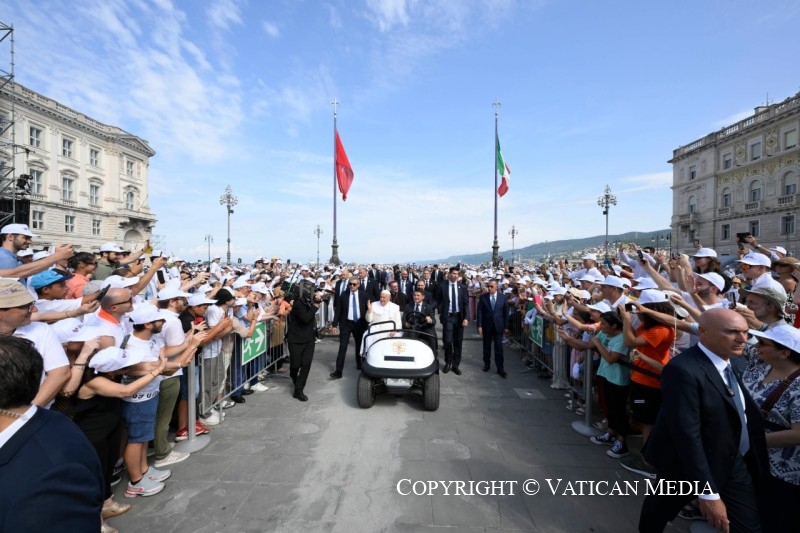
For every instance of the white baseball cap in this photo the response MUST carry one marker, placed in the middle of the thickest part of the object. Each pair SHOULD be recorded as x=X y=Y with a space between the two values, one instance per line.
x=118 y=282
x=146 y=313
x=756 y=259
x=199 y=298
x=705 y=252
x=110 y=247
x=17 y=229
x=168 y=293
x=786 y=336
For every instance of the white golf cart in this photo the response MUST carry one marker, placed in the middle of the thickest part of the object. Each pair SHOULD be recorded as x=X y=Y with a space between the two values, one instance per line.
x=396 y=361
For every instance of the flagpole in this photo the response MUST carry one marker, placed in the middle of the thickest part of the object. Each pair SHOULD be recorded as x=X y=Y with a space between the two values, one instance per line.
x=495 y=244
x=334 y=244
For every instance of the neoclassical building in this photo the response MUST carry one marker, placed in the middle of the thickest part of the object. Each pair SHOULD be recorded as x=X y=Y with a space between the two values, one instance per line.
x=75 y=180
x=740 y=179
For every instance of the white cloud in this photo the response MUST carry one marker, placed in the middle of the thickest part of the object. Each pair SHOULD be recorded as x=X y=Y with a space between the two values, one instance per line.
x=732 y=119
x=271 y=29
x=222 y=14
x=389 y=13
x=644 y=182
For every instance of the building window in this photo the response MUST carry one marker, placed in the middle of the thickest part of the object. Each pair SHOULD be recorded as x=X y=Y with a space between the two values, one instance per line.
x=129 y=168
x=789 y=139
x=66 y=148
x=725 y=232
x=727 y=161
x=94 y=195
x=691 y=235
x=69 y=223
x=755 y=192
x=692 y=172
x=36 y=181
x=787 y=225
x=692 y=206
x=755 y=228
x=755 y=151
x=35 y=137
x=726 y=197
x=94 y=157
x=95 y=227
x=37 y=219
x=789 y=188
x=129 y=200
x=67 y=188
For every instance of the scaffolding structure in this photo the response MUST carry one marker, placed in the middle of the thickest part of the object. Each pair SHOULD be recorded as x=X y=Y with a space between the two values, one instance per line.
x=14 y=206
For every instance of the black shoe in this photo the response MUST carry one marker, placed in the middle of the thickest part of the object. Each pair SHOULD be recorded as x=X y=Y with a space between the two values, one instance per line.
x=247 y=392
x=237 y=399
x=456 y=371
x=336 y=375
x=485 y=367
x=300 y=396
x=502 y=373
x=446 y=368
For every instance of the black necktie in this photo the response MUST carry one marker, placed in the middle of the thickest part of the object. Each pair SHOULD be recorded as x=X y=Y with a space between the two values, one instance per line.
x=419 y=310
x=453 y=307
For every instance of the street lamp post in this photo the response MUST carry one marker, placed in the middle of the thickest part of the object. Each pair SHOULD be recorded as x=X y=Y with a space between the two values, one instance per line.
x=513 y=234
x=209 y=239
x=606 y=201
x=228 y=200
x=318 y=232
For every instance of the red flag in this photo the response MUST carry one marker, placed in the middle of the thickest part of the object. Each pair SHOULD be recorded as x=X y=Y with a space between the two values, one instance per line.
x=344 y=172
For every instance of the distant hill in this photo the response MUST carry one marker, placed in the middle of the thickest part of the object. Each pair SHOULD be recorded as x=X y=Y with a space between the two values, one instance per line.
x=559 y=249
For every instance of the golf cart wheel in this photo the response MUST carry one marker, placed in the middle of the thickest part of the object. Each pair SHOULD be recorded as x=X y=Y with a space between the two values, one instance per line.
x=430 y=392
x=366 y=392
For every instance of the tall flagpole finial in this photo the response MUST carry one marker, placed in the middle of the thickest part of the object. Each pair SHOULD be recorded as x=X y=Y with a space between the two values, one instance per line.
x=496 y=106
x=335 y=103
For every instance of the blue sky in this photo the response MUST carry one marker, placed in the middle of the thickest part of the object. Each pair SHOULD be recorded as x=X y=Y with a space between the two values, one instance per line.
x=239 y=92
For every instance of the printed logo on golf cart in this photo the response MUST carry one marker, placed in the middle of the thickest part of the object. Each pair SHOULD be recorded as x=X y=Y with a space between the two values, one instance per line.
x=398 y=347
x=556 y=487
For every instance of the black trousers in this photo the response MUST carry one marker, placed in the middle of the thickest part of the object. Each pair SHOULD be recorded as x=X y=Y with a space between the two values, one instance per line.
x=300 y=357
x=347 y=328
x=492 y=336
x=452 y=337
x=739 y=496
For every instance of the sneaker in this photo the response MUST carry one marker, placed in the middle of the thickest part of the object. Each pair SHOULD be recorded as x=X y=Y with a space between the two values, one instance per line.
x=181 y=434
x=145 y=487
x=580 y=410
x=637 y=466
x=259 y=387
x=604 y=440
x=691 y=512
x=214 y=418
x=200 y=428
x=151 y=452
x=154 y=474
x=602 y=425
x=226 y=404
x=171 y=459
x=115 y=479
x=618 y=450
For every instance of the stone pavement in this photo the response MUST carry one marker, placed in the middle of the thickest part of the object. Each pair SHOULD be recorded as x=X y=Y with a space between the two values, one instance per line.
x=277 y=464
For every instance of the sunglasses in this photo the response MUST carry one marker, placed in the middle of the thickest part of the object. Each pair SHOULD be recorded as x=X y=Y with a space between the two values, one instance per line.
x=354 y=284
x=25 y=307
x=745 y=266
x=123 y=302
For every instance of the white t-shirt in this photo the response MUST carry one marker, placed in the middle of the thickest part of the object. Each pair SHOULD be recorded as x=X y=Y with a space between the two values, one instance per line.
x=213 y=317
x=150 y=353
x=109 y=329
x=171 y=335
x=47 y=345
x=58 y=306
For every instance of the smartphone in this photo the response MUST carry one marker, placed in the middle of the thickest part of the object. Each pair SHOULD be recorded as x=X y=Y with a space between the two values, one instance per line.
x=641 y=255
x=740 y=244
x=743 y=236
x=160 y=276
x=731 y=296
x=101 y=294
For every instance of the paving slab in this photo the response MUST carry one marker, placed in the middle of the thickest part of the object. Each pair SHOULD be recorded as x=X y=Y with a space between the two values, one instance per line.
x=276 y=464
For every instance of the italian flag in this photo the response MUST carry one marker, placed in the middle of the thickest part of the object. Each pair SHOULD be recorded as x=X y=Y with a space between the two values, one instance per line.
x=503 y=170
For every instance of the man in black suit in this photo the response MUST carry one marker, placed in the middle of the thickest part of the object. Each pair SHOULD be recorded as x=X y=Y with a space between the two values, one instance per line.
x=341 y=285
x=492 y=323
x=419 y=305
x=453 y=315
x=700 y=434
x=350 y=317
x=427 y=293
x=50 y=476
x=370 y=287
x=397 y=297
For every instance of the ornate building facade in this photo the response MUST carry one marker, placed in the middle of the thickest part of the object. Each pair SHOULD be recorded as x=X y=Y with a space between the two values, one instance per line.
x=741 y=179
x=75 y=180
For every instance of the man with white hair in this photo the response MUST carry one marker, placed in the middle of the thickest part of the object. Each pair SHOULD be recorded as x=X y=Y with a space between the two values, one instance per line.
x=382 y=311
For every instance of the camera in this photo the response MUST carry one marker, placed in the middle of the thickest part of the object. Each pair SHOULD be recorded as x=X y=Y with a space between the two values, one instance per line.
x=641 y=255
x=743 y=236
x=629 y=307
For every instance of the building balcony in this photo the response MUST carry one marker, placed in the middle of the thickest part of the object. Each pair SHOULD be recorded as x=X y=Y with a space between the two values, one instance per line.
x=752 y=206
x=789 y=199
x=724 y=212
x=687 y=219
x=70 y=203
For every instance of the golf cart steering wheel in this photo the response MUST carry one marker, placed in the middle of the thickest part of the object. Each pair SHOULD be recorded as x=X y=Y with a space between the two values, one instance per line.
x=416 y=319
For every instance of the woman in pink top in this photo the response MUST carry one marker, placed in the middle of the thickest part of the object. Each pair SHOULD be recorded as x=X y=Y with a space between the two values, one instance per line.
x=82 y=265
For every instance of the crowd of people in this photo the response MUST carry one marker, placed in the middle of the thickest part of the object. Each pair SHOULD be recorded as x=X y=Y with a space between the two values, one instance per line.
x=698 y=354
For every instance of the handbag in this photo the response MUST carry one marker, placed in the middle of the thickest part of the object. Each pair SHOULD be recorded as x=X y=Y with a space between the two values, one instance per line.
x=773 y=421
